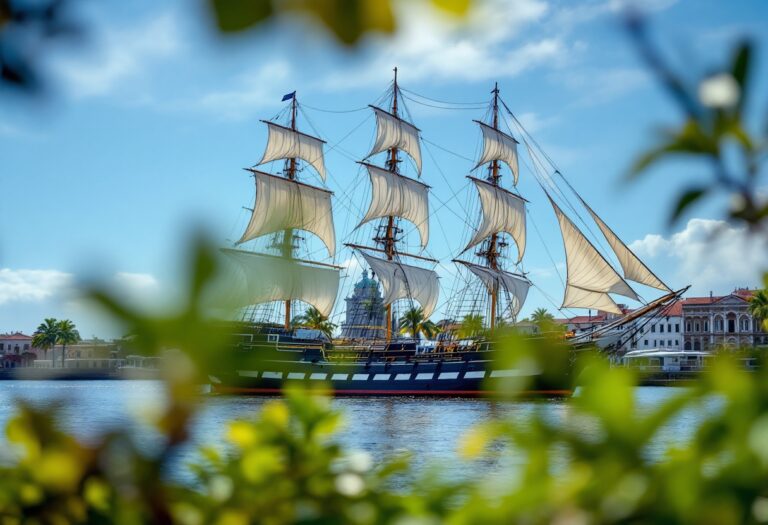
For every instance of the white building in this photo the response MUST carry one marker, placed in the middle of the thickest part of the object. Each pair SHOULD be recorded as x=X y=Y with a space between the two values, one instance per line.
x=662 y=331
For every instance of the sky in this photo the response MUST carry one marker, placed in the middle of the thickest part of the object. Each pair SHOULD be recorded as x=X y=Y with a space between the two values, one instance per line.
x=152 y=117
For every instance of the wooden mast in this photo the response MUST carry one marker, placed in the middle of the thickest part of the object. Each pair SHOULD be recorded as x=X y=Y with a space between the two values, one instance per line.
x=492 y=253
x=288 y=234
x=389 y=237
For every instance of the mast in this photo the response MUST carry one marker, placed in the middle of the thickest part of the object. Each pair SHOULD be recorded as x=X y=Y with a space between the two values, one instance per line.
x=389 y=238
x=492 y=253
x=288 y=234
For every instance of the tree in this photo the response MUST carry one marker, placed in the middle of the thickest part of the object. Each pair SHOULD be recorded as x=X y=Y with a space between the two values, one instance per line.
x=758 y=307
x=67 y=335
x=312 y=318
x=414 y=323
x=541 y=315
x=471 y=324
x=46 y=336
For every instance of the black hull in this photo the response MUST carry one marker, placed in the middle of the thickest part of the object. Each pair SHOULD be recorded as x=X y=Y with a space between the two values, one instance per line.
x=264 y=368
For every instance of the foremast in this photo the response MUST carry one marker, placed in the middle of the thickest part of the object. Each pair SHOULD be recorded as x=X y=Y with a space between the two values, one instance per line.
x=502 y=212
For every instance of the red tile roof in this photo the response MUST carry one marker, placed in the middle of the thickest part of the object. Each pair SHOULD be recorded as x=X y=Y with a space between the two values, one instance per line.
x=673 y=310
x=18 y=336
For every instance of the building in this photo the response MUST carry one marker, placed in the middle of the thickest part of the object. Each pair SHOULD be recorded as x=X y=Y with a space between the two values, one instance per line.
x=714 y=321
x=15 y=343
x=664 y=331
x=16 y=350
x=586 y=323
x=365 y=312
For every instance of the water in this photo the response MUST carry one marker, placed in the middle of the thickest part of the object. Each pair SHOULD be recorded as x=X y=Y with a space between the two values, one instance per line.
x=429 y=428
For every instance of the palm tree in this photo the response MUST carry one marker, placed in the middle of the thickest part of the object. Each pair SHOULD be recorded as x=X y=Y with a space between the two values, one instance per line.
x=541 y=315
x=758 y=306
x=471 y=324
x=67 y=335
x=413 y=322
x=312 y=318
x=46 y=336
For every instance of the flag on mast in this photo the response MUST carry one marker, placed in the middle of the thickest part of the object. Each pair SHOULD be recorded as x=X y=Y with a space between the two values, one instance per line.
x=289 y=96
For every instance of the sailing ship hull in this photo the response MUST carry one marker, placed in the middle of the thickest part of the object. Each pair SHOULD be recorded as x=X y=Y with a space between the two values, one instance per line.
x=397 y=370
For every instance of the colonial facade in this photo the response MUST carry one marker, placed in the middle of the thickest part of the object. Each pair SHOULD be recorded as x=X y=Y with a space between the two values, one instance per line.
x=365 y=311
x=662 y=332
x=713 y=321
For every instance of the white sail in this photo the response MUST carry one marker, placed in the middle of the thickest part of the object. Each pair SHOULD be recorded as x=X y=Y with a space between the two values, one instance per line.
x=401 y=281
x=634 y=268
x=499 y=146
x=283 y=204
x=394 y=132
x=286 y=143
x=515 y=285
x=588 y=271
x=257 y=278
x=399 y=196
x=503 y=211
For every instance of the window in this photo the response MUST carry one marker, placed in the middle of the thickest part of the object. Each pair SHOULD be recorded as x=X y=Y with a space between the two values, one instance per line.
x=696 y=327
x=677 y=342
x=645 y=342
x=706 y=326
x=654 y=342
x=2 y=346
x=677 y=328
x=669 y=342
x=661 y=328
x=661 y=342
x=731 y=326
x=653 y=328
x=687 y=327
x=744 y=325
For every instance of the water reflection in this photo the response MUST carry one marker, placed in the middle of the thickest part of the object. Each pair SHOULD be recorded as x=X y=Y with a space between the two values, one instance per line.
x=427 y=428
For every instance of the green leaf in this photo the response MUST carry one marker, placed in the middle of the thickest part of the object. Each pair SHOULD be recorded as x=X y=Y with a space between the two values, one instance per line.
x=686 y=199
x=740 y=69
x=237 y=15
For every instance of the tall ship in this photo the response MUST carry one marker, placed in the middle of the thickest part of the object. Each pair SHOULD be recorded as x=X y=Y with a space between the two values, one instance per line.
x=284 y=276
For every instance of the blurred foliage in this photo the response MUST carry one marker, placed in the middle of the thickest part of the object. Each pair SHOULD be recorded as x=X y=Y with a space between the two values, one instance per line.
x=26 y=28
x=599 y=460
x=717 y=129
x=347 y=20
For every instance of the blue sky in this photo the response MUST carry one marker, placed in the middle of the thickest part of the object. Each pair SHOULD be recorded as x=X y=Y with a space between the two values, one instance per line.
x=154 y=117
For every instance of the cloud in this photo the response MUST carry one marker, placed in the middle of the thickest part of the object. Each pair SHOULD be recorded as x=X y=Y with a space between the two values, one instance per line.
x=252 y=91
x=604 y=85
x=32 y=285
x=120 y=55
x=709 y=255
x=430 y=46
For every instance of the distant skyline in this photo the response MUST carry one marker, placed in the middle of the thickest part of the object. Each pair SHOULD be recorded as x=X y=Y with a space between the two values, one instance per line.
x=154 y=117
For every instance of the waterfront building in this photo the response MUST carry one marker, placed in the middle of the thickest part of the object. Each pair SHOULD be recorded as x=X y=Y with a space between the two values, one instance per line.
x=16 y=350
x=713 y=321
x=586 y=323
x=366 y=312
x=662 y=331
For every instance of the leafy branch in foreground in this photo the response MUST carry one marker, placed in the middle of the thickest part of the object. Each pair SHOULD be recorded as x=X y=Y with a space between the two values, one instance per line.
x=715 y=130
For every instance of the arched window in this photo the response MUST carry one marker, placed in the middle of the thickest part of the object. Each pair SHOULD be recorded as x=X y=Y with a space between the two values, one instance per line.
x=697 y=345
x=719 y=324
x=687 y=327
x=744 y=324
x=706 y=326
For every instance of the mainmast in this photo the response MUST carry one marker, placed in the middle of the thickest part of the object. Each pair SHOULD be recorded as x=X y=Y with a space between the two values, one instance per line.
x=287 y=249
x=393 y=197
x=492 y=253
x=389 y=238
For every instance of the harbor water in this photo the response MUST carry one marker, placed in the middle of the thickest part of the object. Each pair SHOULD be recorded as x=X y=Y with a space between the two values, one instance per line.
x=428 y=428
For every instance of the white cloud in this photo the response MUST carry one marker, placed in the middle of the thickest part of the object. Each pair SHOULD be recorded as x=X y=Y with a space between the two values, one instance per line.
x=604 y=85
x=437 y=47
x=119 y=55
x=252 y=91
x=709 y=255
x=32 y=285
